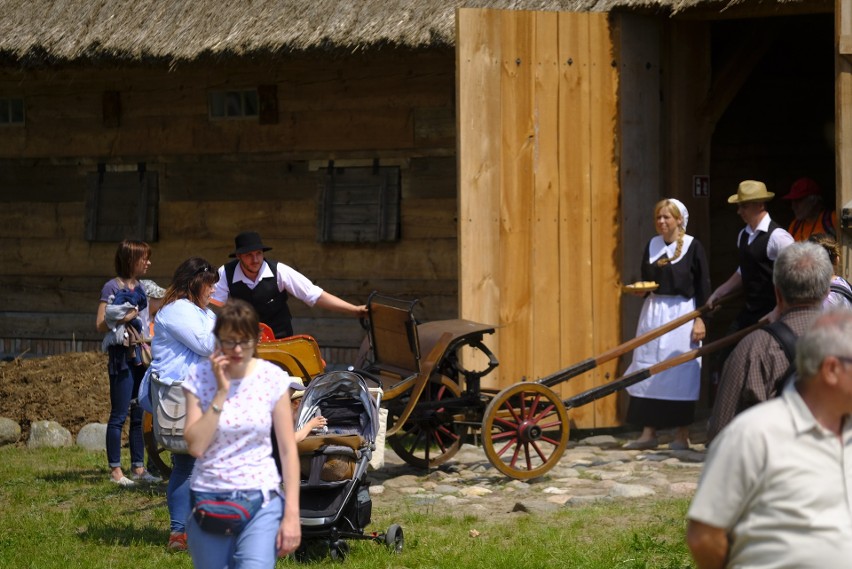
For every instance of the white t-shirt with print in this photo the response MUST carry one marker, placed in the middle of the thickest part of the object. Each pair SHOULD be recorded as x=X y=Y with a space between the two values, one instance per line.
x=240 y=455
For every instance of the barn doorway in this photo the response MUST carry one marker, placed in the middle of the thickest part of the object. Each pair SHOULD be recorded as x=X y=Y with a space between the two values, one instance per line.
x=778 y=128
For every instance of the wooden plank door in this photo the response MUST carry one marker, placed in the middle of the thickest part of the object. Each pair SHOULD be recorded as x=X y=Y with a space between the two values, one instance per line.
x=538 y=193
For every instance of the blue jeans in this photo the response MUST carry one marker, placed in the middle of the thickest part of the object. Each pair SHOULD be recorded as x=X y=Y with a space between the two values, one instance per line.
x=123 y=386
x=177 y=493
x=253 y=548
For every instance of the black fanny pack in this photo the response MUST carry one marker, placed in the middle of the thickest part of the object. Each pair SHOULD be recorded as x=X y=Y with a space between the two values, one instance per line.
x=225 y=513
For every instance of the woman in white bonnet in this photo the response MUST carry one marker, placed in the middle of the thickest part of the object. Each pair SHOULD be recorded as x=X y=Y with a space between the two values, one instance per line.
x=678 y=263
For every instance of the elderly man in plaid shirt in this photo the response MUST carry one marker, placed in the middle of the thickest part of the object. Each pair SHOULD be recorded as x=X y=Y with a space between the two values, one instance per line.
x=802 y=276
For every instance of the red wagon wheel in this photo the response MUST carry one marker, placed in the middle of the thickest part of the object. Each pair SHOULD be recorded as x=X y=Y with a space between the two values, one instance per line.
x=525 y=430
x=432 y=434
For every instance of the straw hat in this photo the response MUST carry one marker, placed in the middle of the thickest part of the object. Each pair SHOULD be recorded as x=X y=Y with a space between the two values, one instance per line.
x=297 y=388
x=751 y=191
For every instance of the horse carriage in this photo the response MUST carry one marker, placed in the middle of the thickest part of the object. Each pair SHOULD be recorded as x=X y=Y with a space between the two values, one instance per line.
x=434 y=403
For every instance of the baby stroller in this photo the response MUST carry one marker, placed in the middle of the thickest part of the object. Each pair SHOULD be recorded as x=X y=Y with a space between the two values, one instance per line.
x=334 y=498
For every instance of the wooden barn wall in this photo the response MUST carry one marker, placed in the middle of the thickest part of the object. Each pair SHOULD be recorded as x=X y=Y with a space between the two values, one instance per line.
x=217 y=178
x=539 y=194
x=843 y=127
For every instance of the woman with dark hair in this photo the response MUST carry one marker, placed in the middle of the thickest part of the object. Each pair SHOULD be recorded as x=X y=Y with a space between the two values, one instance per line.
x=183 y=336
x=132 y=259
x=232 y=404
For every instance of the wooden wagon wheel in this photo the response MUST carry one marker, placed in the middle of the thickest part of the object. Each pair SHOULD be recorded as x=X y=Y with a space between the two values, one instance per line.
x=156 y=453
x=432 y=434
x=525 y=430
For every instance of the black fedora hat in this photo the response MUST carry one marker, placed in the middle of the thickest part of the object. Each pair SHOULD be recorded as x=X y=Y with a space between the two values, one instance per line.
x=246 y=242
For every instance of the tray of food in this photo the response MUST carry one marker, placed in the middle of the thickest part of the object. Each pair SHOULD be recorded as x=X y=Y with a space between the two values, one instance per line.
x=641 y=286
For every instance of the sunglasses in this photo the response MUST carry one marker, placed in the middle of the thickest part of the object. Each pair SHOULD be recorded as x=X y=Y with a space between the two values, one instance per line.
x=231 y=344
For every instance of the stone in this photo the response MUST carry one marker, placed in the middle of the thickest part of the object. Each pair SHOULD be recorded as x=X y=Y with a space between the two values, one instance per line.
x=48 y=434
x=601 y=441
x=586 y=500
x=472 y=491
x=630 y=491
x=92 y=437
x=377 y=490
x=683 y=488
x=10 y=431
x=559 y=500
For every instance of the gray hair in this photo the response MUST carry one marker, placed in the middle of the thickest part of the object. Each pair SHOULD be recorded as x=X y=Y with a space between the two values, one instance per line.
x=802 y=273
x=829 y=335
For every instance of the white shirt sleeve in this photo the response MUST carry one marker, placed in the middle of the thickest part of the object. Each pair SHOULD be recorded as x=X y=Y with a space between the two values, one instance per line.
x=221 y=290
x=778 y=239
x=297 y=284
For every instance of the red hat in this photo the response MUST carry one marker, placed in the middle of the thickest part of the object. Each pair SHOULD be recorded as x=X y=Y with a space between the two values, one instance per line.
x=802 y=188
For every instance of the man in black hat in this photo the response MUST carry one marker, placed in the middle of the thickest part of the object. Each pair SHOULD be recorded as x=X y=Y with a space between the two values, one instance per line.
x=267 y=284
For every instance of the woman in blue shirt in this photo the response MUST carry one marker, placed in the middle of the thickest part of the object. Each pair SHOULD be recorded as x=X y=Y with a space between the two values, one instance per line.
x=183 y=336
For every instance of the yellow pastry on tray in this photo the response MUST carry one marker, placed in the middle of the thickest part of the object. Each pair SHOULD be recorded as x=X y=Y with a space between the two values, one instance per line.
x=642 y=286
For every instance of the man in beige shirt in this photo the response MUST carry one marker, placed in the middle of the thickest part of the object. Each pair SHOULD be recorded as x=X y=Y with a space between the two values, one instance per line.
x=776 y=490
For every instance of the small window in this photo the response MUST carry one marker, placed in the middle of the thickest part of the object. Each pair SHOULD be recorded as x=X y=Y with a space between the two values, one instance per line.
x=122 y=205
x=233 y=104
x=11 y=111
x=359 y=205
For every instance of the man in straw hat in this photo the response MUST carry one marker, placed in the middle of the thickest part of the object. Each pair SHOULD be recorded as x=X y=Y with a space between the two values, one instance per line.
x=267 y=284
x=759 y=244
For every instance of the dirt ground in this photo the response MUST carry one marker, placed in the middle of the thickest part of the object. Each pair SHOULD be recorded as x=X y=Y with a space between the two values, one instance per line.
x=71 y=389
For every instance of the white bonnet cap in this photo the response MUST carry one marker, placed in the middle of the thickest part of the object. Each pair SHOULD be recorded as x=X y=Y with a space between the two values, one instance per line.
x=684 y=213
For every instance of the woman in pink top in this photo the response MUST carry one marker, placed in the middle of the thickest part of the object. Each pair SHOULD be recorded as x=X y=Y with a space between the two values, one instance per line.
x=233 y=401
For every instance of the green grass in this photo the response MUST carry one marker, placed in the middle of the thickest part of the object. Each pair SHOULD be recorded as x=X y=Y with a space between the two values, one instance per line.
x=59 y=511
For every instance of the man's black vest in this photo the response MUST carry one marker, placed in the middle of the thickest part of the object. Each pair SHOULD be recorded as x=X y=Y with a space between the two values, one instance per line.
x=756 y=271
x=270 y=303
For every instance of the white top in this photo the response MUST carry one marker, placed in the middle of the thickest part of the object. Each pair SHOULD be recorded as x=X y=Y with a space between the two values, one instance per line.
x=289 y=279
x=658 y=247
x=778 y=239
x=781 y=485
x=240 y=454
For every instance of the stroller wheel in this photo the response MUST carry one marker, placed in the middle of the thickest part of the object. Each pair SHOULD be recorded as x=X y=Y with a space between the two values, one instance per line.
x=394 y=538
x=313 y=550
x=339 y=550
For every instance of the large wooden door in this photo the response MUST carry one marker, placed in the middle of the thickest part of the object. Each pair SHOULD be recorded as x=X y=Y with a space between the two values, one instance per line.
x=539 y=194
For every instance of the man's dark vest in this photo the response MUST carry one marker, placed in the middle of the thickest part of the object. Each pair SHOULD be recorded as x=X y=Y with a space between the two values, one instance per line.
x=270 y=303
x=756 y=271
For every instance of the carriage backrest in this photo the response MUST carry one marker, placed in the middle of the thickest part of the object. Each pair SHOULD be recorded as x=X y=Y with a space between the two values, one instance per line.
x=393 y=335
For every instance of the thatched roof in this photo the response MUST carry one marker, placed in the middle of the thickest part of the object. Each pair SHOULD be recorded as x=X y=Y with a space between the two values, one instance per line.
x=43 y=31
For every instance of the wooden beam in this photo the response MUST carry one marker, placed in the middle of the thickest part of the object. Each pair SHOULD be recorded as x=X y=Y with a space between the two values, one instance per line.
x=844 y=46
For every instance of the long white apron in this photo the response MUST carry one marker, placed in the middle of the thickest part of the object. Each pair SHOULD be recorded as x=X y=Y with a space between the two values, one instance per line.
x=680 y=383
